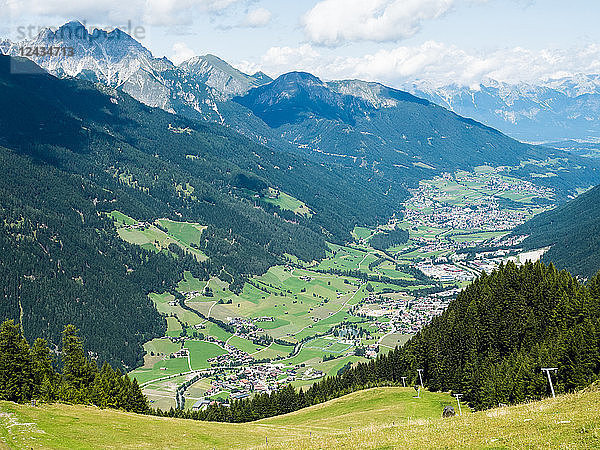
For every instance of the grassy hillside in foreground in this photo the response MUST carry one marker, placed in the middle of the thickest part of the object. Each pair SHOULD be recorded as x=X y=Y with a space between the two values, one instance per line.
x=380 y=418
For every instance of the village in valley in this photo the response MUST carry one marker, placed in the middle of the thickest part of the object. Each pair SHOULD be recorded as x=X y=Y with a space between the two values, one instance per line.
x=301 y=322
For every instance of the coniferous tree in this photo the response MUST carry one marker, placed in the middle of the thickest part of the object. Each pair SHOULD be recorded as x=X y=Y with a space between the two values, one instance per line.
x=77 y=371
x=44 y=376
x=29 y=374
x=103 y=387
x=16 y=374
x=137 y=401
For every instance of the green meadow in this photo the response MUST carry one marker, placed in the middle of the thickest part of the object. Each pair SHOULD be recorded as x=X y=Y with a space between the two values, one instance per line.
x=375 y=418
x=149 y=236
x=287 y=202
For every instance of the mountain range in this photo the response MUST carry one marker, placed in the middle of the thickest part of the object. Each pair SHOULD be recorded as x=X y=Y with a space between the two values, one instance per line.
x=546 y=111
x=394 y=137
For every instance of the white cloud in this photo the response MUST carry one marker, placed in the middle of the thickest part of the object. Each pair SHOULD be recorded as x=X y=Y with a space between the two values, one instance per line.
x=436 y=62
x=181 y=12
x=278 y=60
x=152 y=12
x=288 y=56
x=181 y=53
x=334 y=22
x=256 y=18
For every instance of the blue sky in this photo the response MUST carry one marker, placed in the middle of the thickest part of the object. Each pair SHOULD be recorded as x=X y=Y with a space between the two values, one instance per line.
x=393 y=41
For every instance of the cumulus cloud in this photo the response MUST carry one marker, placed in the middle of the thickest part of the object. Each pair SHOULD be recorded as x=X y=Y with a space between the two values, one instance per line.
x=278 y=60
x=256 y=18
x=181 y=53
x=443 y=64
x=436 y=62
x=334 y=22
x=288 y=56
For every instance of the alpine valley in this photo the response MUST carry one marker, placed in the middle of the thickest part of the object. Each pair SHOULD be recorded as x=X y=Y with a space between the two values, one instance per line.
x=196 y=242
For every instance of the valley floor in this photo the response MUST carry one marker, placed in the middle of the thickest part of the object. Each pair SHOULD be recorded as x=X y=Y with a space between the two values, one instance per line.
x=375 y=418
x=325 y=315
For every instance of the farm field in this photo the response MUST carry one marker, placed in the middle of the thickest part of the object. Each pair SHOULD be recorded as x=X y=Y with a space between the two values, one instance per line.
x=348 y=258
x=287 y=202
x=161 y=369
x=298 y=303
x=201 y=351
x=161 y=394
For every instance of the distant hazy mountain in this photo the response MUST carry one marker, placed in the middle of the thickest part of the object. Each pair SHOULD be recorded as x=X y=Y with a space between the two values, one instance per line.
x=567 y=108
x=579 y=147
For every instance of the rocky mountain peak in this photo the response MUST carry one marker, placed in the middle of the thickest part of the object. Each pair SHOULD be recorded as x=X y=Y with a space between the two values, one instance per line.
x=220 y=75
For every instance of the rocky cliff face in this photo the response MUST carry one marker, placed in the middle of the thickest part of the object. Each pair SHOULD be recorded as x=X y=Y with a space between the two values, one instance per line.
x=117 y=60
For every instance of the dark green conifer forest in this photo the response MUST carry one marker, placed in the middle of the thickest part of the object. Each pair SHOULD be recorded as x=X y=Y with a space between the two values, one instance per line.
x=29 y=373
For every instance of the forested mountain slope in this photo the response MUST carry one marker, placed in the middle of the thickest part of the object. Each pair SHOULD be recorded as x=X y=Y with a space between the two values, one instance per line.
x=572 y=231
x=62 y=262
x=401 y=136
x=494 y=339
x=71 y=153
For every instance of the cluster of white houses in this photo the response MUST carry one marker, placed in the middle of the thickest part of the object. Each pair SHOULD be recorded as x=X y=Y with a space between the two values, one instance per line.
x=434 y=207
x=407 y=315
x=243 y=382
